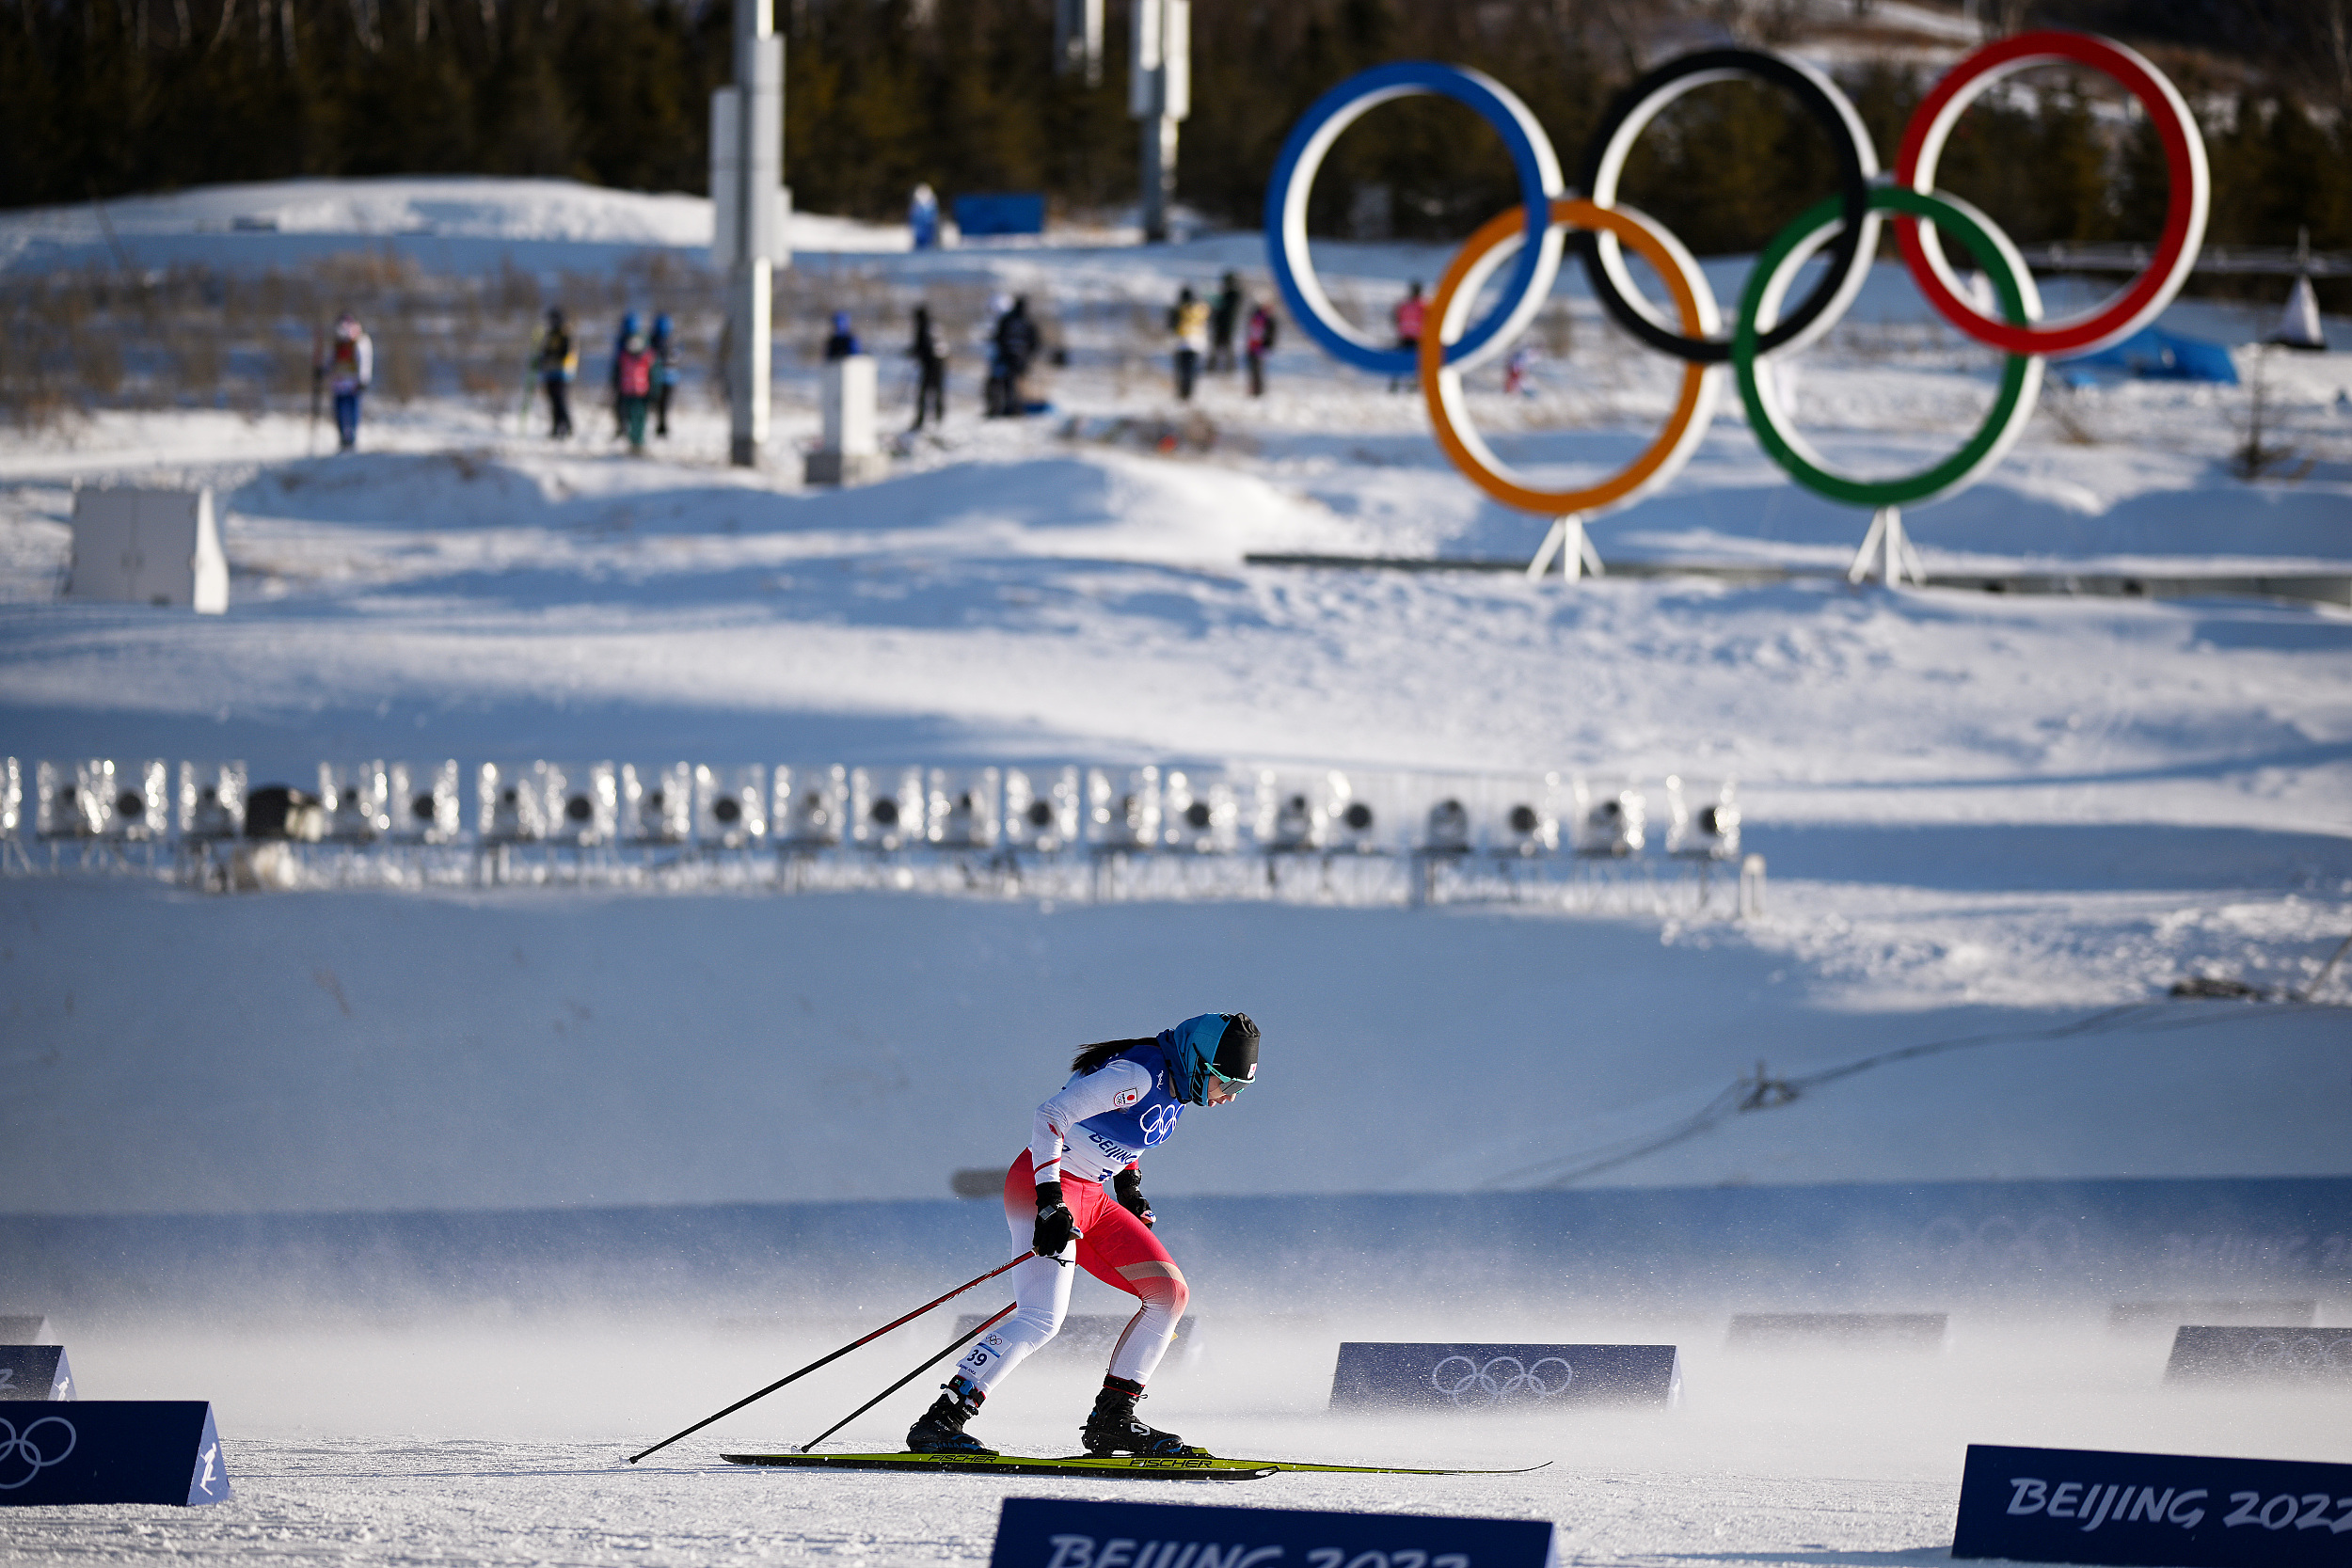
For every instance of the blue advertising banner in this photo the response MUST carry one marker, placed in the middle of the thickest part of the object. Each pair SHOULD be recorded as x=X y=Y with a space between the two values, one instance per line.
x=1040 y=1532
x=35 y=1372
x=2225 y=1354
x=2161 y=1511
x=1013 y=212
x=112 y=1452
x=1373 y=1375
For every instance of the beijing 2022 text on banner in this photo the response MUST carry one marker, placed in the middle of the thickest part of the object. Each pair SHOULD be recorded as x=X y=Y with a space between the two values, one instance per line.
x=1040 y=1532
x=2153 y=1510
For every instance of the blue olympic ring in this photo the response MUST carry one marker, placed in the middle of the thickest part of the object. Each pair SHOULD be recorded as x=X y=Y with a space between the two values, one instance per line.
x=1531 y=154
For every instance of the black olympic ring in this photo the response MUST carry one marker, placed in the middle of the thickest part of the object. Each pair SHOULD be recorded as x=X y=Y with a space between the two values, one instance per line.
x=17 y=1449
x=1631 y=112
x=1476 y=1388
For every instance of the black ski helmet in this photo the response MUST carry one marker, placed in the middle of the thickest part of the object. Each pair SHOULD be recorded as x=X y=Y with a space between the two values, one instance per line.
x=1225 y=1044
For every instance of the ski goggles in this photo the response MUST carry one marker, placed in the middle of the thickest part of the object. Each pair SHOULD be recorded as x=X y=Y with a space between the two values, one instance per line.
x=1233 y=1086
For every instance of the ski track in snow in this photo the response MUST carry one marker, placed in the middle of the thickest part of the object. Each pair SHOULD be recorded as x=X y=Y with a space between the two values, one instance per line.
x=1982 y=815
x=499 y=1445
x=394 y=1504
x=1258 y=1387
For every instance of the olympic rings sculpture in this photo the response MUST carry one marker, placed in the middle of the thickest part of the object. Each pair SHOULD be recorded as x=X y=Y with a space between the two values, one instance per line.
x=1505 y=1380
x=1844 y=229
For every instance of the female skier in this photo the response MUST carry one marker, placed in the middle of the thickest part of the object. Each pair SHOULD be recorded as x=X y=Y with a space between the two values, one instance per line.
x=1123 y=1097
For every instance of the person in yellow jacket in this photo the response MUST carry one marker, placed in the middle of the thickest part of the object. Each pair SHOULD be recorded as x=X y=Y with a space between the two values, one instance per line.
x=556 y=357
x=1189 y=320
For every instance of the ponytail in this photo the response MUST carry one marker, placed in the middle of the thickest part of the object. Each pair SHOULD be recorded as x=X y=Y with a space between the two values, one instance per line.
x=1093 y=1058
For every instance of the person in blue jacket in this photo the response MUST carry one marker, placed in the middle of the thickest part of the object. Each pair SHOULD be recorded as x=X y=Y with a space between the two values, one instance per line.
x=843 y=344
x=1122 y=1098
x=665 y=371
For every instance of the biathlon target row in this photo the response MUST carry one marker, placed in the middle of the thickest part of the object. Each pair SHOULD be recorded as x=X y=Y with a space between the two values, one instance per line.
x=1843 y=230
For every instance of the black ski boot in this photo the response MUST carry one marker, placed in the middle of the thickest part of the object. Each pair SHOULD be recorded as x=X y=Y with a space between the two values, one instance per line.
x=1113 y=1428
x=941 y=1430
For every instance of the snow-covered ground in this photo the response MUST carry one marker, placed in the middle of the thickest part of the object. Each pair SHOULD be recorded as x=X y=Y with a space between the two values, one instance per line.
x=505 y=1445
x=447 y=222
x=1984 y=815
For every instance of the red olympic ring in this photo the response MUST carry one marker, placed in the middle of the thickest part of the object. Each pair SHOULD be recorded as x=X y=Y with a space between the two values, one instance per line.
x=2186 y=199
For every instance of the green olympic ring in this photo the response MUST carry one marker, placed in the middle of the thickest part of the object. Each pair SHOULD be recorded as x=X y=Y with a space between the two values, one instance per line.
x=1759 y=306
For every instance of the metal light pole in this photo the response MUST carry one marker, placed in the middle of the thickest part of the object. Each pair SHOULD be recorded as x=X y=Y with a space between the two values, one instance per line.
x=1159 y=94
x=749 y=205
x=1078 y=40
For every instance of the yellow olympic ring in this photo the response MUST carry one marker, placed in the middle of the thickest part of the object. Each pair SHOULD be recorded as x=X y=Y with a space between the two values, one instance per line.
x=1441 y=383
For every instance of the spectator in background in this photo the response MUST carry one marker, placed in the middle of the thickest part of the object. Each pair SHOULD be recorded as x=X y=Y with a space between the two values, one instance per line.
x=1188 y=318
x=923 y=218
x=1224 y=316
x=1518 y=372
x=930 y=363
x=1016 y=348
x=1257 y=345
x=843 y=344
x=994 y=396
x=556 y=358
x=665 y=372
x=350 y=368
x=633 y=387
x=631 y=327
x=1408 y=317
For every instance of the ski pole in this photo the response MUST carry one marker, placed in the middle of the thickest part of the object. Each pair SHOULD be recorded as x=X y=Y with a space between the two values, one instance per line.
x=1002 y=1314
x=836 y=1355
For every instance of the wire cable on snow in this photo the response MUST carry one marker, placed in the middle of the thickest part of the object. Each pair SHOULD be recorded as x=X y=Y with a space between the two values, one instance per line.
x=1763 y=1092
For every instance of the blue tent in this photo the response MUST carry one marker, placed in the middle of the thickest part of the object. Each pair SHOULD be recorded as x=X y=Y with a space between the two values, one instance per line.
x=2154 y=355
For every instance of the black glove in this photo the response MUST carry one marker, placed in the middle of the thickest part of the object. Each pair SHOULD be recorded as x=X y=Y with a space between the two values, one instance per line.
x=1127 y=1186
x=1055 y=1225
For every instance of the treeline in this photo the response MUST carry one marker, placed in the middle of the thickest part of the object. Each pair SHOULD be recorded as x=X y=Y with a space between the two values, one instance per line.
x=109 y=97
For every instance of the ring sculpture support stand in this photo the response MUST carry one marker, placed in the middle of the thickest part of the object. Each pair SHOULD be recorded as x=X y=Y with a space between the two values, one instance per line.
x=1568 y=540
x=1886 y=553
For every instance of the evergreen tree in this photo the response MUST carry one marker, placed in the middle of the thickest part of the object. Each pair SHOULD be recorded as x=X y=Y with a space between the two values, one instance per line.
x=109 y=97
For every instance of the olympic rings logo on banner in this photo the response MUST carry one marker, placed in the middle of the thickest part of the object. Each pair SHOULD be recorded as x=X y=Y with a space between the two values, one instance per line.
x=1845 y=226
x=1505 y=1380
x=2310 y=1354
x=22 y=1456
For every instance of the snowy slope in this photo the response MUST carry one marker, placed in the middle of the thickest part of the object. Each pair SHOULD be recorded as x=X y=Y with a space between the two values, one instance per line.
x=446 y=222
x=1987 y=821
x=1982 y=814
x=366 y=1051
